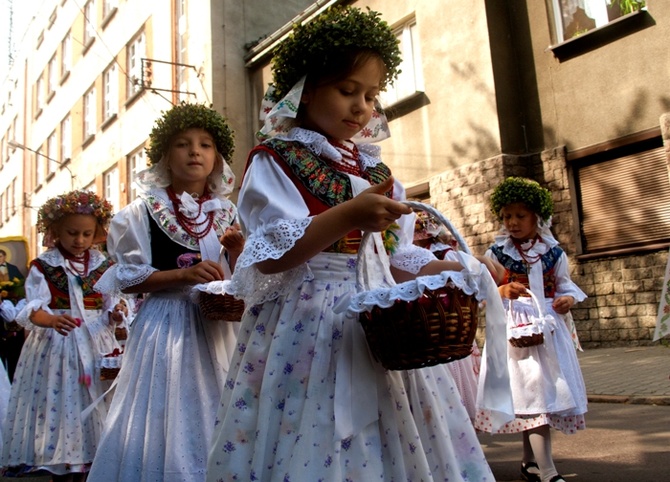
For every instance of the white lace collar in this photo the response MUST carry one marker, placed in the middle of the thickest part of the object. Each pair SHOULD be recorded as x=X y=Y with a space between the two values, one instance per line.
x=54 y=258
x=369 y=153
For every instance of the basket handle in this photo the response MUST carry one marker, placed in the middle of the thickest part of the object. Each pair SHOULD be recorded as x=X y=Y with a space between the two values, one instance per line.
x=440 y=217
x=536 y=302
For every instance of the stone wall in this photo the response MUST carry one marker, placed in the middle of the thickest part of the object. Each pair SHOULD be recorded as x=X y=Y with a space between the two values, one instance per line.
x=623 y=291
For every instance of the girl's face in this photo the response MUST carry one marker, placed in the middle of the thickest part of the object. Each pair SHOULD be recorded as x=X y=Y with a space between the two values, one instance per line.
x=192 y=156
x=75 y=233
x=520 y=221
x=340 y=109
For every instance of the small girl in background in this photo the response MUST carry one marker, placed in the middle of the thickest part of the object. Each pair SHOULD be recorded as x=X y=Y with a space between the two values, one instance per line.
x=304 y=399
x=429 y=234
x=70 y=324
x=161 y=418
x=546 y=380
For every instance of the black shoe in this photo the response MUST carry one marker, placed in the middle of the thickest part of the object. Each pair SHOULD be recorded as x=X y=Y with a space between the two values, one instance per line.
x=533 y=476
x=557 y=478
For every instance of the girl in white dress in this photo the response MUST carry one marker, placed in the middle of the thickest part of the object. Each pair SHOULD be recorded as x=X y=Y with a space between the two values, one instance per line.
x=161 y=418
x=304 y=400
x=70 y=325
x=547 y=384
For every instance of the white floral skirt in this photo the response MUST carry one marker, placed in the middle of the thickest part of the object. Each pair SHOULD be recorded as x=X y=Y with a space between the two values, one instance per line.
x=278 y=419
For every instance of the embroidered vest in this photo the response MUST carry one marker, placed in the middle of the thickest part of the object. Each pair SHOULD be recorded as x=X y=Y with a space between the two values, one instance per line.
x=166 y=254
x=58 y=285
x=516 y=270
x=321 y=185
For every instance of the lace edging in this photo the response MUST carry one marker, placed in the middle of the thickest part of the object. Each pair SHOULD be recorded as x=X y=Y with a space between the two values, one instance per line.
x=413 y=289
x=122 y=276
x=409 y=259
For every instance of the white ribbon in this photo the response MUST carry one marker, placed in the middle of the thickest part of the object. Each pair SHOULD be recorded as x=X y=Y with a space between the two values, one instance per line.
x=356 y=398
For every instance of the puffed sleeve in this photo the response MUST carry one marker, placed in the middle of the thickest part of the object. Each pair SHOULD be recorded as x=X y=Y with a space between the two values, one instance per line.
x=38 y=297
x=273 y=220
x=129 y=245
x=564 y=284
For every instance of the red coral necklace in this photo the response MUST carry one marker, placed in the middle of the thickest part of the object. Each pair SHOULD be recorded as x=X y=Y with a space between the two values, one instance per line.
x=76 y=261
x=523 y=252
x=195 y=229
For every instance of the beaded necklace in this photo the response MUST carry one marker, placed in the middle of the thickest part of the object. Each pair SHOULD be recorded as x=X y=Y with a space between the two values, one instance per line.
x=350 y=162
x=523 y=252
x=75 y=261
x=195 y=229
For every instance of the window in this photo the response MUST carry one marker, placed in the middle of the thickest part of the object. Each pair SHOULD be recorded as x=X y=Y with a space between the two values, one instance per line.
x=181 y=49
x=12 y=191
x=52 y=153
x=40 y=167
x=108 y=6
x=110 y=96
x=111 y=186
x=136 y=50
x=39 y=96
x=89 y=23
x=65 y=139
x=623 y=195
x=89 y=113
x=410 y=80
x=572 y=18
x=66 y=55
x=53 y=76
x=137 y=162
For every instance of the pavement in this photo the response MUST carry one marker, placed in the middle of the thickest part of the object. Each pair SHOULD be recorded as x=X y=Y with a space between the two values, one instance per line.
x=634 y=374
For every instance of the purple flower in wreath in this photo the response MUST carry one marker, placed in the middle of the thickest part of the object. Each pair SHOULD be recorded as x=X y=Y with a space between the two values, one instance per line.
x=187 y=260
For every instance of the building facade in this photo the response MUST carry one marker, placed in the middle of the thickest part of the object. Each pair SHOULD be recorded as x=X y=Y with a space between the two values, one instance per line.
x=568 y=92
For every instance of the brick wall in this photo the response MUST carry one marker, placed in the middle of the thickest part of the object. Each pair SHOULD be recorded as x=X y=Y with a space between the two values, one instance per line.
x=623 y=291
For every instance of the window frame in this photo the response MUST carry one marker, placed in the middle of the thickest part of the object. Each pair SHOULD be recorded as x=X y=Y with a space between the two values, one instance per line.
x=135 y=51
x=89 y=119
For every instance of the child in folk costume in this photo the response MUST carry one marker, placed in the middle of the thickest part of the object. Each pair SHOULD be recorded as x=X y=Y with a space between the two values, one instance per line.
x=547 y=384
x=430 y=235
x=70 y=324
x=161 y=418
x=304 y=399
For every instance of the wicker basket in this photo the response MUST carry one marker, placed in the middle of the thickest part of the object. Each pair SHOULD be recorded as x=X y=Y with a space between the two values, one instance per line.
x=110 y=364
x=527 y=339
x=438 y=327
x=221 y=307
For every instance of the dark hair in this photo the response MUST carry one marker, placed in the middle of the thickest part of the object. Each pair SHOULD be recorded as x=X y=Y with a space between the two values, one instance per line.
x=3 y=252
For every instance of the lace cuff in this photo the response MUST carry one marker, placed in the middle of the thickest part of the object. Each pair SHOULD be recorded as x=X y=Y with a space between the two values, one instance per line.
x=23 y=317
x=122 y=276
x=273 y=242
x=411 y=258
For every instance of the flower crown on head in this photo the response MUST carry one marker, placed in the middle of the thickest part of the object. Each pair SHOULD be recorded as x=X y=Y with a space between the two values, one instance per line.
x=74 y=202
x=318 y=42
x=186 y=116
x=521 y=190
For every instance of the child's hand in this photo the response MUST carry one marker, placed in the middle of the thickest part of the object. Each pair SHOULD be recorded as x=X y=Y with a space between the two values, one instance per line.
x=233 y=240
x=562 y=304
x=203 y=272
x=512 y=290
x=120 y=310
x=64 y=324
x=371 y=210
x=495 y=268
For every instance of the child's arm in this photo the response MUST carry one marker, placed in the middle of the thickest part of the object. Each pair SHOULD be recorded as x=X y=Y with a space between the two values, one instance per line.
x=63 y=324
x=369 y=211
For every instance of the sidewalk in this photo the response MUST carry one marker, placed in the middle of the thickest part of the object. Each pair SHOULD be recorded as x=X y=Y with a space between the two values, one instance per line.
x=627 y=374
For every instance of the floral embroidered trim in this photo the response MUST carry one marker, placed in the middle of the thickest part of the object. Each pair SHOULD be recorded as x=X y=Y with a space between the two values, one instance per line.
x=161 y=210
x=516 y=270
x=326 y=183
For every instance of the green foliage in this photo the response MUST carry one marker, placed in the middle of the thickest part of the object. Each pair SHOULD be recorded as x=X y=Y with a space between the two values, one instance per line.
x=185 y=116
x=337 y=30
x=630 y=6
x=521 y=190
